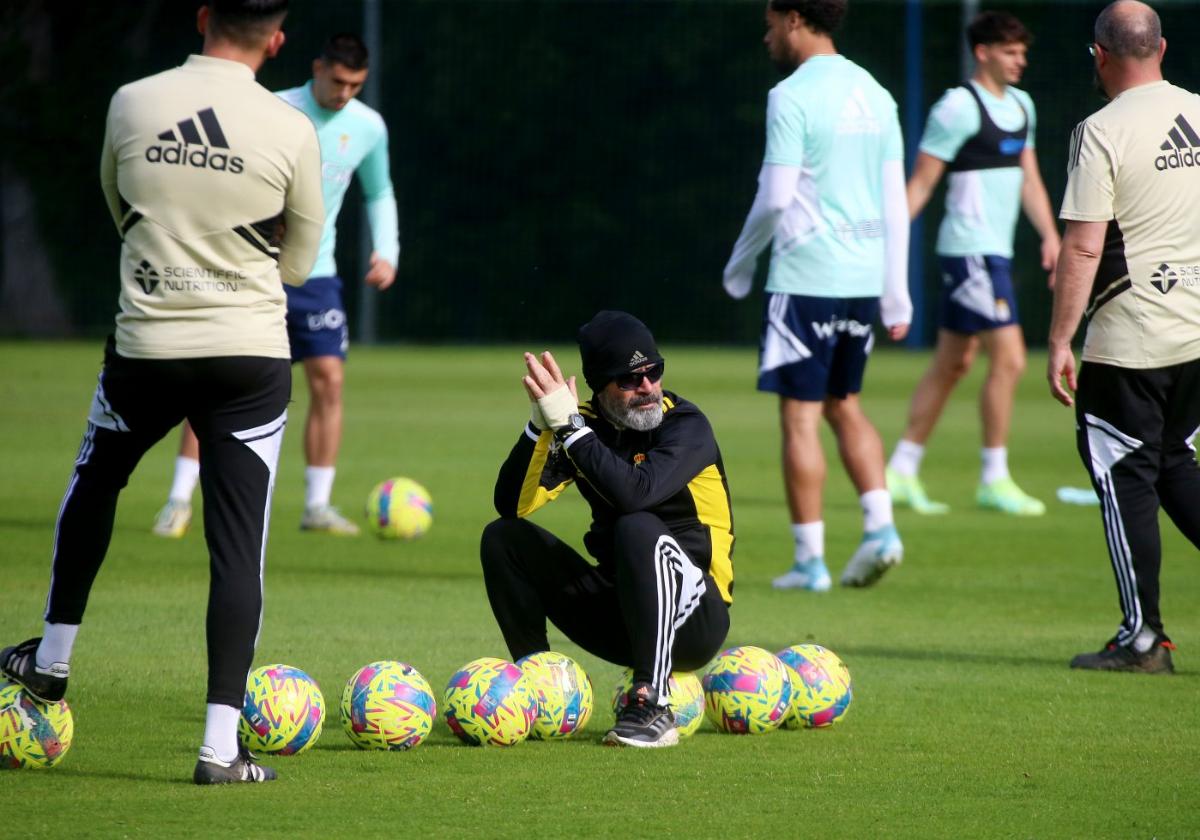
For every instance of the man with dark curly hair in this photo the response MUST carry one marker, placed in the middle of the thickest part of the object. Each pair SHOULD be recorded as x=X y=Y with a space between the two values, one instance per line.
x=831 y=195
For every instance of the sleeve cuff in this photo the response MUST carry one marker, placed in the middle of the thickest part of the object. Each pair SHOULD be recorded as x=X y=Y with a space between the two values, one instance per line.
x=576 y=436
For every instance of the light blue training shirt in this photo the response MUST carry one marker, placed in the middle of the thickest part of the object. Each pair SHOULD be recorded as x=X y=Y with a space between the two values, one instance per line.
x=352 y=139
x=835 y=122
x=982 y=205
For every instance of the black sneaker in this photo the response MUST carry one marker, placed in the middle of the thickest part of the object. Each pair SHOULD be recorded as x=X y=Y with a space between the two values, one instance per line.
x=210 y=770
x=643 y=722
x=19 y=664
x=1117 y=657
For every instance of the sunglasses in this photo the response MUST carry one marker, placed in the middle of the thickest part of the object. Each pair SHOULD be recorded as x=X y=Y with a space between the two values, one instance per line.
x=631 y=381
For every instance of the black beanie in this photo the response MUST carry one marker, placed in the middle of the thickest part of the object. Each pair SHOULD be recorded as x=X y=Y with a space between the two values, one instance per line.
x=613 y=343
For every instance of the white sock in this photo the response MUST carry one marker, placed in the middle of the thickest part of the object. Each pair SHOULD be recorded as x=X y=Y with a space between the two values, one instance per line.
x=187 y=474
x=995 y=463
x=877 y=509
x=810 y=540
x=1144 y=640
x=220 y=730
x=57 y=643
x=318 y=486
x=906 y=459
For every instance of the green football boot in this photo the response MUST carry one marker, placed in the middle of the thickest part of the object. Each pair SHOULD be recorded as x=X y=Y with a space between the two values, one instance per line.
x=907 y=490
x=1004 y=495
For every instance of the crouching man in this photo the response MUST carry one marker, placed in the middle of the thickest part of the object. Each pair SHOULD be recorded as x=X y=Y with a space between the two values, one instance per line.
x=658 y=597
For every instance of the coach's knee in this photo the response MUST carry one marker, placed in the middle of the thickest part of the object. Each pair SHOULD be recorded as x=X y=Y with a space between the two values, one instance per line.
x=631 y=526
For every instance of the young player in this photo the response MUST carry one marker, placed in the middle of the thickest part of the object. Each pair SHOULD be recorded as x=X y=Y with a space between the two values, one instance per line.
x=353 y=139
x=982 y=134
x=831 y=196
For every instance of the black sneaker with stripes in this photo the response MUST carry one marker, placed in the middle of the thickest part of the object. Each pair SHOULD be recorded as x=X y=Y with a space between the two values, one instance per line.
x=642 y=722
x=19 y=664
x=210 y=770
x=1115 y=657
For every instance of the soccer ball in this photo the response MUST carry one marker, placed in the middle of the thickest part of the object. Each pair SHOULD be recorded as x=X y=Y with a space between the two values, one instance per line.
x=387 y=706
x=490 y=701
x=32 y=733
x=563 y=693
x=399 y=509
x=820 y=686
x=685 y=697
x=747 y=691
x=283 y=712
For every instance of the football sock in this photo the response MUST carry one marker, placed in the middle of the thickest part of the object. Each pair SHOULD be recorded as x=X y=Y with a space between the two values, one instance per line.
x=877 y=509
x=220 y=730
x=995 y=463
x=187 y=474
x=56 y=645
x=906 y=459
x=318 y=486
x=1144 y=640
x=810 y=540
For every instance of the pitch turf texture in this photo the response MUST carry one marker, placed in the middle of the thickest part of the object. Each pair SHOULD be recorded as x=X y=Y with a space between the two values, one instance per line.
x=966 y=721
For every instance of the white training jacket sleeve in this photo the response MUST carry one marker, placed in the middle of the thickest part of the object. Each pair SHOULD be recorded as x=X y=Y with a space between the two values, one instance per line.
x=895 y=306
x=776 y=189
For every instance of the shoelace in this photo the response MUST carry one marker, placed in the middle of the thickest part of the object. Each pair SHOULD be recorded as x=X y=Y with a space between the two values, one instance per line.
x=641 y=713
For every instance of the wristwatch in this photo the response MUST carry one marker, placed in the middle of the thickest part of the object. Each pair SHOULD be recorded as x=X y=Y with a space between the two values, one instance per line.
x=575 y=422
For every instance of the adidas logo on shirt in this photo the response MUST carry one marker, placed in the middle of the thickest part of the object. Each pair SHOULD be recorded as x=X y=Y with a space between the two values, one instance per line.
x=188 y=148
x=856 y=116
x=1182 y=147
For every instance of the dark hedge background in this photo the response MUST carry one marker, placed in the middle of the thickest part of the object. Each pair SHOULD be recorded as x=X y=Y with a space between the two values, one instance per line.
x=551 y=158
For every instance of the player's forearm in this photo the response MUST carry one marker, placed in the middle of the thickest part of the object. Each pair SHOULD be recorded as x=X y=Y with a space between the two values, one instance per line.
x=1036 y=204
x=108 y=179
x=1077 y=263
x=383 y=219
x=776 y=185
x=896 y=305
x=304 y=216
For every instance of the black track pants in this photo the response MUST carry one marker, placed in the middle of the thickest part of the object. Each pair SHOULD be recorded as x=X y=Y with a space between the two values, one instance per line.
x=238 y=407
x=1135 y=431
x=659 y=613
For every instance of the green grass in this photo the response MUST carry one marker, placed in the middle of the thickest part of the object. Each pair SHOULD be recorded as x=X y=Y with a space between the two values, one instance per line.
x=966 y=721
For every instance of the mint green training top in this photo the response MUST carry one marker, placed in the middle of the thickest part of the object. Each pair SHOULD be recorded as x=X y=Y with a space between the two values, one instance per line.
x=352 y=139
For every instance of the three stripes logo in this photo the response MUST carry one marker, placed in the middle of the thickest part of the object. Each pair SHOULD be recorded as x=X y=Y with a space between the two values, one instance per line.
x=186 y=146
x=1180 y=149
x=146 y=277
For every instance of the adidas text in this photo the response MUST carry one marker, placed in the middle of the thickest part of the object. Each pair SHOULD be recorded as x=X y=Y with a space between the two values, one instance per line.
x=1177 y=160
x=180 y=155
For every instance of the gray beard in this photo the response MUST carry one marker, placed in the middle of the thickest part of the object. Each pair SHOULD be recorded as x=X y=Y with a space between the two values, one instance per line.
x=629 y=418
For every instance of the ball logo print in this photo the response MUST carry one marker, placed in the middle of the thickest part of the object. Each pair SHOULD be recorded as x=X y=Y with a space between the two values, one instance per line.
x=388 y=705
x=821 y=689
x=33 y=734
x=283 y=712
x=563 y=692
x=490 y=701
x=747 y=691
x=399 y=508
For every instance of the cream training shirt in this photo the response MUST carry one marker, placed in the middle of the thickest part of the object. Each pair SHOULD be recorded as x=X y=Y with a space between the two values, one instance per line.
x=215 y=185
x=1135 y=164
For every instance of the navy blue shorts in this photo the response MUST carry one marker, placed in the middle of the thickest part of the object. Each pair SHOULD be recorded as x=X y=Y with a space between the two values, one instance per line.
x=316 y=319
x=815 y=347
x=977 y=293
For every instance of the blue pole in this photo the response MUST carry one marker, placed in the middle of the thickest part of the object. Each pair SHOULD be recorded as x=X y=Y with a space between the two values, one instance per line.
x=913 y=94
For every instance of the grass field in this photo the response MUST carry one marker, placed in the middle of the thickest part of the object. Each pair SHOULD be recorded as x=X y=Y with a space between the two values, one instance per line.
x=966 y=722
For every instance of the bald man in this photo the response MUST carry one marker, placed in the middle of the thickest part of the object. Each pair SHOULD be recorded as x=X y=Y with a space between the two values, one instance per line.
x=1130 y=265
